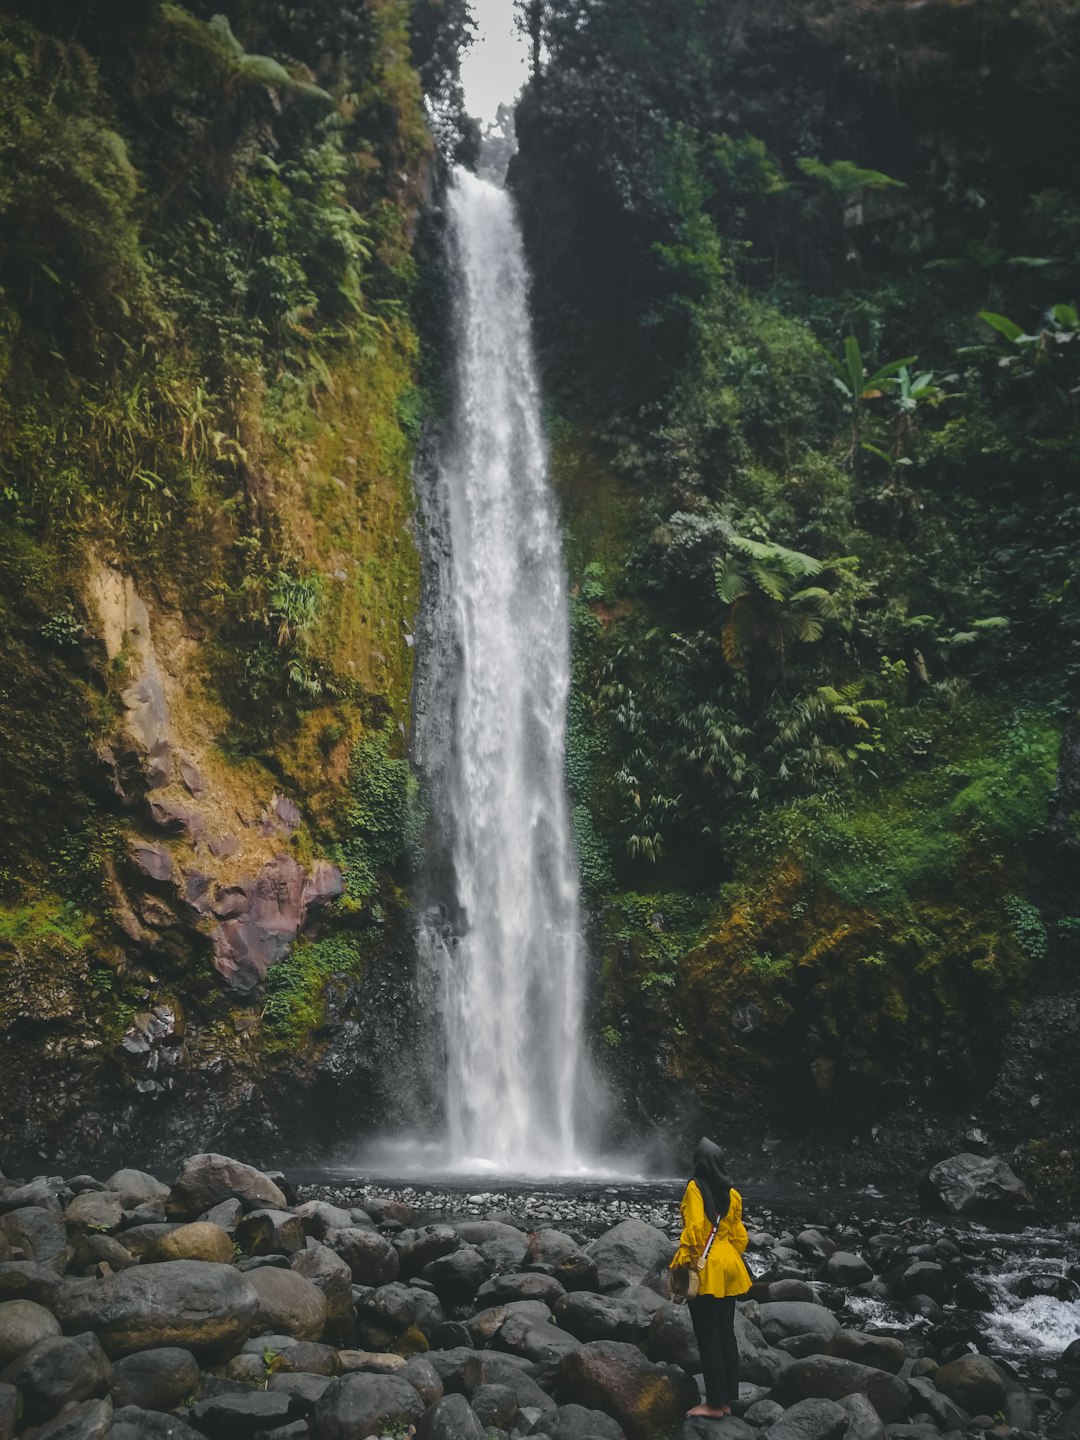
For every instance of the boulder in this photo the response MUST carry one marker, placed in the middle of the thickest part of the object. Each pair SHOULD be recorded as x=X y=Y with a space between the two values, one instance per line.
x=287 y=1303
x=494 y=1406
x=606 y=1317
x=418 y=1248
x=763 y=1413
x=356 y=1406
x=883 y=1352
x=371 y=1258
x=90 y=1420
x=371 y=1362
x=827 y=1377
x=553 y=1253
x=540 y=1341
x=489 y=1369
x=134 y=1423
x=197 y=1241
x=39 y=1233
x=783 y=1319
x=864 y=1423
x=671 y=1338
x=457 y=1276
x=307 y=1357
x=423 y=1377
x=138 y=1239
x=229 y=1416
x=193 y=1304
x=25 y=1280
x=616 y=1378
x=632 y=1250
x=317 y=1217
x=504 y=1289
x=136 y=1186
x=330 y=1274
x=972 y=1382
x=9 y=1411
x=845 y=1269
x=979 y=1185
x=926 y=1398
x=270 y=1232
x=813 y=1419
x=923 y=1277
x=484 y=1326
x=154 y=1379
x=57 y=1371
x=206 y=1180
x=702 y=1427
x=93 y=1249
x=450 y=1418
x=22 y=1324
x=303 y=1389
x=575 y=1422
x=94 y=1210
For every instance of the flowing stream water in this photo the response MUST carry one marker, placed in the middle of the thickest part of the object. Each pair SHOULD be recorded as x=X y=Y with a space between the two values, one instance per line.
x=510 y=956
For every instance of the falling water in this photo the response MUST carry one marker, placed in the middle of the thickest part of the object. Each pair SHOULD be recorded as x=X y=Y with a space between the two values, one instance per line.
x=511 y=972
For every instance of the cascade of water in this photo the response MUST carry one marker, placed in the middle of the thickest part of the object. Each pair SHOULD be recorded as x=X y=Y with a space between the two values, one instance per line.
x=512 y=976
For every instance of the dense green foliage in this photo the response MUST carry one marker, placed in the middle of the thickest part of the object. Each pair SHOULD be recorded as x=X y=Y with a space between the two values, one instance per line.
x=806 y=298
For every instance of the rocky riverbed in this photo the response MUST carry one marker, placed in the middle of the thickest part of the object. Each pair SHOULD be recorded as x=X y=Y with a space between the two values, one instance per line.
x=228 y=1303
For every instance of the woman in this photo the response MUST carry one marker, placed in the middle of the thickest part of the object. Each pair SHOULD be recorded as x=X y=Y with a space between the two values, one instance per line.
x=710 y=1198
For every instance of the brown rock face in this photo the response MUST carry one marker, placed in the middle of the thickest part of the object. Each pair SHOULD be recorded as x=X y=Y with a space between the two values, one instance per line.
x=288 y=1304
x=198 y=1241
x=645 y=1399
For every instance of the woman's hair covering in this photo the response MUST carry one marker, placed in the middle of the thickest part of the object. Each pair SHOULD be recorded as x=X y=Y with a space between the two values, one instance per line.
x=710 y=1175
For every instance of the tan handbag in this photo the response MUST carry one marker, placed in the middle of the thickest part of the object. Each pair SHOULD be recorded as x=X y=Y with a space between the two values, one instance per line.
x=693 y=1273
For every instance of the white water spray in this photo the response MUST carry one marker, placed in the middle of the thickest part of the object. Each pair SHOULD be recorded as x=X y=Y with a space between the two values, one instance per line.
x=512 y=979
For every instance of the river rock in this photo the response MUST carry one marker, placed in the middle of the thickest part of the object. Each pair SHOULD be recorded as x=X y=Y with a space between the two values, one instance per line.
x=57 y=1371
x=25 y=1280
x=575 y=1422
x=418 y=1248
x=197 y=1241
x=304 y=1389
x=883 y=1352
x=22 y=1324
x=39 y=1233
x=450 y=1418
x=370 y=1257
x=424 y=1378
x=228 y=1416
x=134 y=1423
x=9 y=1411
x=671 y=1338
x=703 y=1427
x=974 y=1383
x=781 y=1320
x=864 y=1421
x=503 y=1289
x=605 y=1317
x=94 y=1210
x=927 y=1398
x=494 y=1406
x=489 y=1369
x=484 y=1326
x=206 y=1180
x=188 y=1303
x=975 y=1185
x=356 y=1406
x=154 y=1379
x=813 y=1419
x=553 y=1253
x=93 y=1249
x=827 y=1377
x=631 y=1251
x=457 y=1276
x=287 y=1303
x=540 y=1341
x=135 y=1186
x=845 y=1269
x=138 y=1239
x=923 y=1277
x=317 y=1217
x=270 y=1232
x=330 y=1274
x=90 y=1420
x=616 y=1378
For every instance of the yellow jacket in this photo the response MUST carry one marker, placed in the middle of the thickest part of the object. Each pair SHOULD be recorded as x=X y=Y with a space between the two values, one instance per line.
x=724 y=1273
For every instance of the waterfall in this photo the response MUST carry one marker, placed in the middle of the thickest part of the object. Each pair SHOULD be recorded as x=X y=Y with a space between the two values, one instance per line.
x=511 y=957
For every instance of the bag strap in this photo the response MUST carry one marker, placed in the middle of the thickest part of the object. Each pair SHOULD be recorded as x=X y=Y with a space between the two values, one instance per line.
x=708 y=1245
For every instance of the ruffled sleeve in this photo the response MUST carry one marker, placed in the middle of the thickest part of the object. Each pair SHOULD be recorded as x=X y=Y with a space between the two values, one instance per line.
x=695 y=1230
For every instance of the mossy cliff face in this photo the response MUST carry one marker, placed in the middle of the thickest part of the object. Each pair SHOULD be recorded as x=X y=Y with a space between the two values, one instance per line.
x=208 y=576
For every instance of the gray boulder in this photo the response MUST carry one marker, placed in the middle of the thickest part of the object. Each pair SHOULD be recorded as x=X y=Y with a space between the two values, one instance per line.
x=972 y=1382
x=552 y=1253
x=154 y=1379
x=88 y=1420
x=608 y=1317
x=865 y=1422
x=39 y=1233
x=883 y=1352
x=133 y=1423
x=813 y=1419
x=827 y=1377
x=136 y=1186
x=270 y=1232
x=57 y=1371
x=227 y=1416
x=450 y=1418
x=632 y=1250
x=356 y=1406
x=845 y=1269
x=22 y=1324
x=975 y=1185
x=25 y=1280
x=782 y=1319
x=287 y=1303
x=504 y=1289
x=644 y=1398
x=370 y=1257
x=540 y=1341
x=197 y=1306
x=329 y=1273
x=424 y=1378
x=489 y=1369
x=206 y=1180
x=575 y=1422
x=494 y=1406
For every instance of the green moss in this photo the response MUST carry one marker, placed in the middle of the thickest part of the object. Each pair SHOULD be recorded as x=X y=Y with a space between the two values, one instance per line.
x=48 y=918
x=295 y=987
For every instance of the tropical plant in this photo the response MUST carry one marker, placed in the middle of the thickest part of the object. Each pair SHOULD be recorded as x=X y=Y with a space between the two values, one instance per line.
x=858 y=385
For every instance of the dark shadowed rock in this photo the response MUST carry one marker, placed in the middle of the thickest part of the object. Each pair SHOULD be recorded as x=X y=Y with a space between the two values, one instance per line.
x=927 y=1399
x=22 y=1324
x=370 y=1257
x=304 y=1389
x=864 y=1423
x=575 y=1422
x=536 y=1340
x=270 y=1232
x=450 y=1418
x=616 y=1378
x=93 y=1210
x=503 y=1289
x=631 y=1250
x=188 y=1303
x=224 y=1417
x=287 y=1303
x=25 y=1280
x=811 y=1420
x=553 y=1253
x=489 y=1369
x=134 y=1423
x=317 y=1217
x=974 y=1383
x=845 y=1269
x=827 y=1377
x=424 y=1378
x=458 y=1276
x=494 y=1405
x=605 y=1317
x=700 y=1427
x=883 y=1352
x=671 y=1338
x=484 y=1326
x=974 y=1185
x=57 y=1371
x=39 y=1233
x=90 y=1420
x=783 y=1319
x=329 y=1272
x=357 y=1406
x=9 y=1411
x=154 y=1379
x=207 y=1179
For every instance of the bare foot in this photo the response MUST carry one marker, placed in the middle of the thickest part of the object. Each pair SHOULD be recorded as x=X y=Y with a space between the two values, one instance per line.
x=713 y=1412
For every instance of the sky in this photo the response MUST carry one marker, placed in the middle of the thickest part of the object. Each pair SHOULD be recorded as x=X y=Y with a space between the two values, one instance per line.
x=496 y=65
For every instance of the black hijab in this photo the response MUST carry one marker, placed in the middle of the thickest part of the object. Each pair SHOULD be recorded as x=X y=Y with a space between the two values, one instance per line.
x=710 y=1176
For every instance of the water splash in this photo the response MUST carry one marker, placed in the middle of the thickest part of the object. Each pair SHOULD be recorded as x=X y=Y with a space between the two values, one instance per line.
x=511 y=956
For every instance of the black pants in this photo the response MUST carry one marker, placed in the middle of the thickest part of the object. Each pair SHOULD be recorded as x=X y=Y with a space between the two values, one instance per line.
x=714 y=1326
